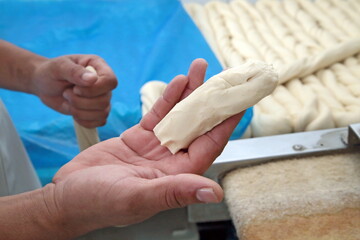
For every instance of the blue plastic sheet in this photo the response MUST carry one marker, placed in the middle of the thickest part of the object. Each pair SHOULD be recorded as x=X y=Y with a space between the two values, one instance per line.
x=141 y=40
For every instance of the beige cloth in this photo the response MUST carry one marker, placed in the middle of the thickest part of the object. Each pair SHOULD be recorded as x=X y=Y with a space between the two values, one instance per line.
x=310 y=198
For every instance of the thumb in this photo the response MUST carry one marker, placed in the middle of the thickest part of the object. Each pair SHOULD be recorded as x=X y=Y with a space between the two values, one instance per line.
x=77 y=74
x=181 y=190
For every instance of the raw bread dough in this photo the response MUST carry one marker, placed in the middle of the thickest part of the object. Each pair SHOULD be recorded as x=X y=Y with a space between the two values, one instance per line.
x=86 y=137
x=222 y=96
x=313 y=45
x=150 y=93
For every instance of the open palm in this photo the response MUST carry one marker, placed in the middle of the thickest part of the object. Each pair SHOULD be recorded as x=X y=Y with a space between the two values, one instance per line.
x=132 y=177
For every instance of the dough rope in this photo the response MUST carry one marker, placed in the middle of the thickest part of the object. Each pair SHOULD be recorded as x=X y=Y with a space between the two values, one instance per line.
x=339 y=18
x=150 y=93
x=201 y=18
x=86 y=137
x=326 y=21
x=286 y=29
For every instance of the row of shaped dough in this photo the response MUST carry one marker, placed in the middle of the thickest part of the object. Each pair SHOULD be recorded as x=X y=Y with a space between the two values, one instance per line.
x=312 y=44
x=276 y=31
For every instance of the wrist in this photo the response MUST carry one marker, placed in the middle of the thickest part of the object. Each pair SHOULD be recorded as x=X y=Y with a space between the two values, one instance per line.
x=60 y=222
x=35 y=63
x=49 y=217
x=45 y=220
x=17 y=67
x=31 y=215
x=61 y=218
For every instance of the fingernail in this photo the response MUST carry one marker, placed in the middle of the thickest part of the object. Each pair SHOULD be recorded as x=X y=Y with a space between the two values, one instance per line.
x=87 y=76
x=206 y=195
x=66 y=96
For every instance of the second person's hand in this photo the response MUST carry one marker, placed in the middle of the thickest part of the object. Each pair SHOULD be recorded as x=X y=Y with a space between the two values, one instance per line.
x=65 y=85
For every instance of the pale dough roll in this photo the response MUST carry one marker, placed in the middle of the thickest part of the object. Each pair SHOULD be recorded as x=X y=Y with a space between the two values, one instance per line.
x=309 y=24
x=340 y=18
x=314 y=114
x=343 y=94
x=347 y=79
x=353 y=65
x=268 y=113
x=150 y=92
x=323 y=19
x=86 y=137
x=201 y=19
x=265 y=32
x=342 y=115
x=287 y=29
x=306 y=66
x=222 y=96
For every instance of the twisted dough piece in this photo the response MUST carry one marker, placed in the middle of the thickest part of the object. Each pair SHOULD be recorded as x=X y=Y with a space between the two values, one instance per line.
x=353 y=66
x=315 y=114
x=324 y=20
x=342 y=115
x=252 y=34
x=348 y=10
x=342 y=94
x=309 y=24
x=86 y=136
x=222 y=96
x=340 y=19
x=306 y=66
x=345 y=78
x=270 y=118
x=201 y=18
x=228 y=52
x=265 y=32
x=287 y=30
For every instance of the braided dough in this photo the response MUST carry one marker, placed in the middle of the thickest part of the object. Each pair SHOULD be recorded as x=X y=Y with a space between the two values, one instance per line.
x=222 y=96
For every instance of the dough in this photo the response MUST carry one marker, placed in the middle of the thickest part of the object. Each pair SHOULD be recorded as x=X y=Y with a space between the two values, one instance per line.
x=150 y=93
x=222 y=96
x=86 y=137
x=313 y=45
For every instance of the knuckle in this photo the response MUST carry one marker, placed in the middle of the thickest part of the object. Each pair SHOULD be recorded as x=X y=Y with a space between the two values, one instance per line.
x=62 y=63
x=75 y=71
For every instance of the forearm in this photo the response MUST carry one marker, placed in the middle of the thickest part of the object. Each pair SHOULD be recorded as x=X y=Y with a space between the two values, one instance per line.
x=32 y=215
x=17 y=67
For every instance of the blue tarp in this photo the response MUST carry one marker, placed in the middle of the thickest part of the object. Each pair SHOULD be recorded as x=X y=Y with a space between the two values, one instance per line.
x=141 y=40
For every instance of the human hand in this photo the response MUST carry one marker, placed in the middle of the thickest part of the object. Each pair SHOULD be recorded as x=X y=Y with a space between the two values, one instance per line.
x=65 y=85
x=127 y=179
